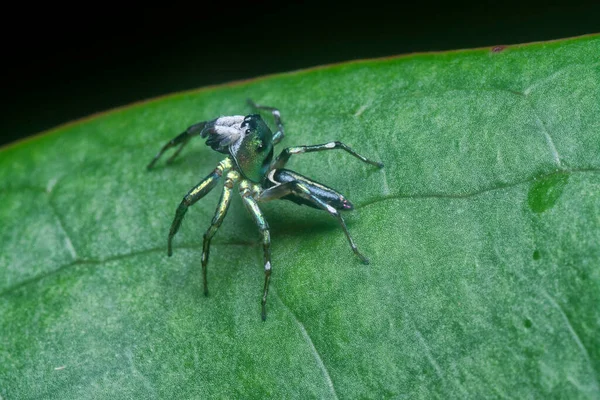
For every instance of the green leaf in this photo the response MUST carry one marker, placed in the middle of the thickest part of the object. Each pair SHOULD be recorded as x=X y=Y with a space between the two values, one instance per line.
x=483 y=231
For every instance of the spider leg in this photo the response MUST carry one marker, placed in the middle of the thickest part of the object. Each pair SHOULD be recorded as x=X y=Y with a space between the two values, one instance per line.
x=286 y=153
x=197 y=192
x=299 y=189
x=182 y=139
x=230 y=181
x=263 y=226
x=277 y=136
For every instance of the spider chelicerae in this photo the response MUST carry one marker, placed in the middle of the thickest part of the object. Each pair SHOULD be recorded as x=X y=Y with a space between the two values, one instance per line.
x=248 y=143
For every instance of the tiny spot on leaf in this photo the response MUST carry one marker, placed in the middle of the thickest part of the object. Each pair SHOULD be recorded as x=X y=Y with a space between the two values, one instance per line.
x=527 y=323
x=360 y=110
x=498 y=49
x=51 y=184
x=544 y=194
x=536 y=254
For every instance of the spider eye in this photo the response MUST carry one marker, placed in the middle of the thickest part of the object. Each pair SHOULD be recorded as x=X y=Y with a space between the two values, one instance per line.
x=248 y=131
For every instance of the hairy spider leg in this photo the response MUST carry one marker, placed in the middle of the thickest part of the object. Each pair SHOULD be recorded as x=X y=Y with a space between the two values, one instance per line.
x=182 y=139
x=197 y=192
x=222 y=207
x=286 y=153
x=298 y=189
x=246 y=191
x=279 y=135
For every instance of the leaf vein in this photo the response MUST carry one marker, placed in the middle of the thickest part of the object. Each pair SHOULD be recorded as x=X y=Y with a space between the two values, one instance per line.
x=527 y=91
x=92 y=261
x=146 y=382
x=68 y=242
x=367 y=203
x=574 y=336
x=432 y=360
x=429 y=356
x=474 y=193
x=546 y=134
x=311 y=346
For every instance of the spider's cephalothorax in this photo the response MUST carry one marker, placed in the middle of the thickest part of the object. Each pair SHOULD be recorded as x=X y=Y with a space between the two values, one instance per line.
x=249 y=142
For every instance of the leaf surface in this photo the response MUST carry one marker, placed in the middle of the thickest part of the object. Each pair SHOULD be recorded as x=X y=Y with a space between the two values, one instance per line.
x=483 y=232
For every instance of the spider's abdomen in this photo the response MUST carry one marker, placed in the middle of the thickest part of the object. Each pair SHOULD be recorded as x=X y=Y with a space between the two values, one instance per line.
x=324 y=193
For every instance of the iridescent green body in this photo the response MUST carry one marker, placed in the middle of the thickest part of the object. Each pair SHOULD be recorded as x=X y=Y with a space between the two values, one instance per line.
x=249 y=143
x=255 y=152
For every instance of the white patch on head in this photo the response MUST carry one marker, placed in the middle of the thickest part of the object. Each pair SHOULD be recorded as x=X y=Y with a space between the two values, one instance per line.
x=330 y=145
x=229 y=130
x=230 y=121
x=268 y=266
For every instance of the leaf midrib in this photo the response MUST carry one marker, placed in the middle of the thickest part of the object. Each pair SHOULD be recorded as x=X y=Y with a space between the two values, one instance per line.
x=82 y=261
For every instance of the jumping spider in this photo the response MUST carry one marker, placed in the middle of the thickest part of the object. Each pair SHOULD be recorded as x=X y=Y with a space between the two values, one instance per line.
x=248 y=143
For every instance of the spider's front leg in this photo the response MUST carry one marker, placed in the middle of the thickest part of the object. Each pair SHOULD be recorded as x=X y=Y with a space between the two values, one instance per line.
x=285 y=155
x=222 y=207
x=197 y=192
x=246 y=190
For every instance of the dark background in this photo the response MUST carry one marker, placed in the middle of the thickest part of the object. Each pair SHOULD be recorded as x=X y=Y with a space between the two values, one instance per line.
x=62 y=65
